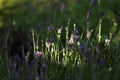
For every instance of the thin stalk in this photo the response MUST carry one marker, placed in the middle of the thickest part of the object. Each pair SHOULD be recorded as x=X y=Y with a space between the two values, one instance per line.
x=99 y=33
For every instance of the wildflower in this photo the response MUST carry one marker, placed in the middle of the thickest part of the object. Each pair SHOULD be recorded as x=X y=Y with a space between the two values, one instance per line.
x=107 y=41
x=88 y=35
x=73 y=39
x=49 y=43
x=59 y=32
x=6 y=47
x=19 y=71
x=39 y=55
x=101 y=62
x=52 y=50
x=27 y=56
x=43 y=68
x=16 y=57
x=91 y=3
x=77 y=32
x=49 y=28
x=83 y=47
x=76 y=38
x=40 y=26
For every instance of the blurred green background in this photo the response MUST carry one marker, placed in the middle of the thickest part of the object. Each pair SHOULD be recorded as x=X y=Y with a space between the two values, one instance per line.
x=30 y=13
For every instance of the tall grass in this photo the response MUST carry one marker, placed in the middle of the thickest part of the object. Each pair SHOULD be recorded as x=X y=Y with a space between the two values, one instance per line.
x=65 y=53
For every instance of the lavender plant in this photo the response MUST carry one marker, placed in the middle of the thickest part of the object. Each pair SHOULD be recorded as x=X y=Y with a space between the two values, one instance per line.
x=61 y=52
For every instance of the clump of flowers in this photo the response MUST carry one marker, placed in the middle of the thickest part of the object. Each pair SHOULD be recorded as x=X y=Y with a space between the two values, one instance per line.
x=49 y=43
x=39 y=55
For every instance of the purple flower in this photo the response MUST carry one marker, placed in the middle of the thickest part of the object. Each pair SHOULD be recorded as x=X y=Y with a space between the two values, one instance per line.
x=77 y=38
x=83 y=47
x=40 y=26
x=49 y=28
x=77 y=32
x=6 y=47
x=101 y=62
x=39 y=55
x=16 y=57
x=44 y=66
x=91 y=3
x=19 y=71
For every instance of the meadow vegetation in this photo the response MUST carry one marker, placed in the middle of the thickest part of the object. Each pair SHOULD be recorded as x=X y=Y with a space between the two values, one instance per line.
x=59 y=40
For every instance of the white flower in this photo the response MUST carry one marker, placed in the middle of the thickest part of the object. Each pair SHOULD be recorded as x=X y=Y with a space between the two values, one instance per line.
x=59 y=30
x=107 y=41
x=38 y=54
